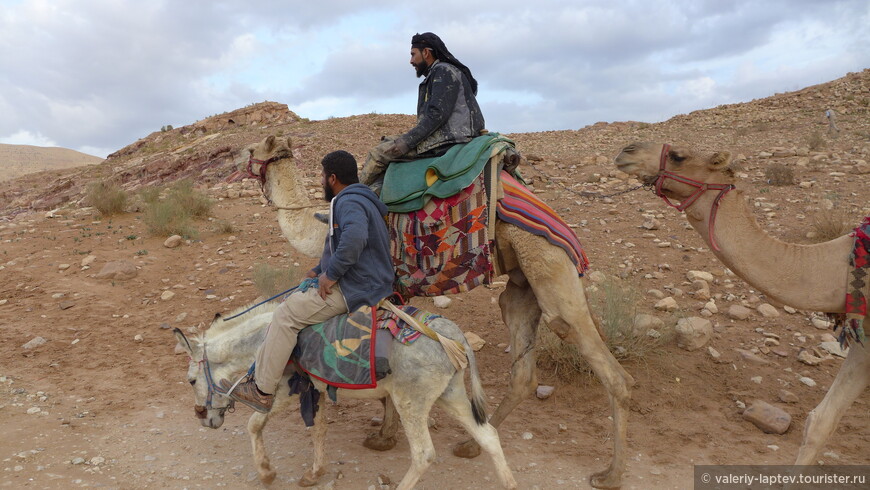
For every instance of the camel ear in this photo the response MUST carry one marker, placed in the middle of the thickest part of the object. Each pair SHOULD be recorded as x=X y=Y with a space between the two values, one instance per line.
x=720 y=160
x=289 y=143
x=269 y=143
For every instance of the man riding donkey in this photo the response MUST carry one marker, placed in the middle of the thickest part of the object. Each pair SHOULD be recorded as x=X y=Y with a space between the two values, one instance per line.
x=355 y=270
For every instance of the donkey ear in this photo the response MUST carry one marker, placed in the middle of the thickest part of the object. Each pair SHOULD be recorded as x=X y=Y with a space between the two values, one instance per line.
x=182 y=341
x=269 y=143
x=720 y=160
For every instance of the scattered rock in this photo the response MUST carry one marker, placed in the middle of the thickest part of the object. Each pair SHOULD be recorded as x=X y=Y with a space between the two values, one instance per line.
x=786 y=396
x=527 y=436
x=751 y=357
x=666 y=304
x=474 y=341
x=167 y=295
x=808 y=381
x=834 y=348
x=597 y=277
x=702 y=275
x=543 y=392
x=739 y=312
x=87 y=261
x=768 y=418
x=442 y=302
x=693 y=332
x=34 y=343
x=767 y=310
x=821 y=323
x=119 y=270
x=173 y=241
x=644 y=322
x=807 y=358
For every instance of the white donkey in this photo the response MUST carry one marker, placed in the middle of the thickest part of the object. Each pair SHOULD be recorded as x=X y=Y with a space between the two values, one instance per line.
x=422 y=375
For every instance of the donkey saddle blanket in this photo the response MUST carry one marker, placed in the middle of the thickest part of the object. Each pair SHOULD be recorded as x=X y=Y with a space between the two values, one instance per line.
x=342 y=352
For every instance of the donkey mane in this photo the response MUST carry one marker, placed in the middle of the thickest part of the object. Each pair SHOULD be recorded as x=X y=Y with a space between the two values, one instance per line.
x=219 y=326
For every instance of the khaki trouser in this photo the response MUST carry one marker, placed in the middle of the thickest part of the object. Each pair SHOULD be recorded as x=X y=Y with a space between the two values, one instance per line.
x=298 y=311
x=373 y=170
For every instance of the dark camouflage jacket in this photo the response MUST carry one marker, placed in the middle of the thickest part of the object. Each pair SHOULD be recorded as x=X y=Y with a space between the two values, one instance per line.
x=447 y=111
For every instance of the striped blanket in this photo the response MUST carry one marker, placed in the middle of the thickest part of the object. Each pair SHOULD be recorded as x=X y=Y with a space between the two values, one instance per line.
x=851 y=324
x=522 y=208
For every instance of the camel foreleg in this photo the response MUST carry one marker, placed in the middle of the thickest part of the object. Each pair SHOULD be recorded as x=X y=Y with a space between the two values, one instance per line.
x=822 y=421
x=385 y=438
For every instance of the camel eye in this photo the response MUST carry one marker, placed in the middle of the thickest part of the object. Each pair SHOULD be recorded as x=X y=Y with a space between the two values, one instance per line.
x=192 y=382
x=676 y=157
x=629 y=149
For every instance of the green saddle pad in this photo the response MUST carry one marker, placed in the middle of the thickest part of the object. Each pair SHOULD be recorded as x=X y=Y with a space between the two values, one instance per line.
x=406 y=189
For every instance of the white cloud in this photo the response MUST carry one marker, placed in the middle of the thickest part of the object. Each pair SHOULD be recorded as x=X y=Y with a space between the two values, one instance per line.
x=23 y=137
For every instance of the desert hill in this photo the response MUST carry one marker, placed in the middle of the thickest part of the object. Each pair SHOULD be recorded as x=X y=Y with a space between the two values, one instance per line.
x=93 y=394
x=18 y=160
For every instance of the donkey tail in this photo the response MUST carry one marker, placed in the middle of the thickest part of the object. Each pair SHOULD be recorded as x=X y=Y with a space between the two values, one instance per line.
x=478 y=399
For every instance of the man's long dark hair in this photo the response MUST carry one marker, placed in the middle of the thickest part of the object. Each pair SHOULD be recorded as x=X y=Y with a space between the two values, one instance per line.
x=439 y=50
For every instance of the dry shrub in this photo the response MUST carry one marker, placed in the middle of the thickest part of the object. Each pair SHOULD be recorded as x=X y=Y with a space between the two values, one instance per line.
x=270 y=281
x=832 y=223
x=174 y=214
x=815 y=141
x=107 y=197
x=779 y=174
x=615 y=304
x=225 y=227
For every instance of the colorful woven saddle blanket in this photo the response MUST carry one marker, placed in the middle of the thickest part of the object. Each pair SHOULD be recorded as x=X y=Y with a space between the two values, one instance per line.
x=342 y=352
x=444 y=247
x=408 y=186
x=851 y=324
x=521 y=207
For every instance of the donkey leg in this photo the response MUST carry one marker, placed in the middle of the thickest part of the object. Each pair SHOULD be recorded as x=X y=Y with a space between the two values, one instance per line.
x=414 y=411
x=318 y=436
x=850 y=382
x=261 y=460
x=455 y=402
x=385 y=439
x=521 y=313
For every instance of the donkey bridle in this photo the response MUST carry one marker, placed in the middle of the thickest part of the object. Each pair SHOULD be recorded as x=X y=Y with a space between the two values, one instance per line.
x=701 y=187
x=212 y=390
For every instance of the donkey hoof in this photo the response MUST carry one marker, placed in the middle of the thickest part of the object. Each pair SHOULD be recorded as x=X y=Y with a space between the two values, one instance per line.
x=378 y=442
x=606 y=479
x=309 y=479
x=468 y=449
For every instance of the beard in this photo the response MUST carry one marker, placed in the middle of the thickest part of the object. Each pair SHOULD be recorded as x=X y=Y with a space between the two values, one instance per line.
x=327 y=193
x=421 y=68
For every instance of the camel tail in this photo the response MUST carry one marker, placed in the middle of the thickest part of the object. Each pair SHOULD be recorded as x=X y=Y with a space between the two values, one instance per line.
x=478 y=398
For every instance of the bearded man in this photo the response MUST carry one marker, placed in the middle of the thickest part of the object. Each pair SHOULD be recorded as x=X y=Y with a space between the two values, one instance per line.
x=447 y=111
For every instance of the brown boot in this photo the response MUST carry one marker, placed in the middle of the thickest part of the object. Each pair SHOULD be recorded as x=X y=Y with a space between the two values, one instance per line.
x=247 y=393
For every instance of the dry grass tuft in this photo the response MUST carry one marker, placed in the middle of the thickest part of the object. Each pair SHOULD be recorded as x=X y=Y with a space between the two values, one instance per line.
x=615 y=303
x=270 y=281
x=174 y=214
x=107 y=197
x=815 y=141
x=779 y=174
x=828 y=224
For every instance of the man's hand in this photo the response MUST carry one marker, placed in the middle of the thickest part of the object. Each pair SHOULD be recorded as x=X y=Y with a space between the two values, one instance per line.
x=310 y=274
x=325 y=286
x=396 y=149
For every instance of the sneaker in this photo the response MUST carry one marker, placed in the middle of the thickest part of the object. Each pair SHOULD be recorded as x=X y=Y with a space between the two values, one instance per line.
x=247 y=393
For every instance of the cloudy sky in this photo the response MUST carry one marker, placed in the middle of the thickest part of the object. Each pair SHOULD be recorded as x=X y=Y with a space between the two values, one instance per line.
x=96 y=75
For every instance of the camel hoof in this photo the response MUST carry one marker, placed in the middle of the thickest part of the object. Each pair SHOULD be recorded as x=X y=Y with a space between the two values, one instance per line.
x=310 y=479
x=378 y=442
x=606 y=479
x=267 y=478
x=468 y=449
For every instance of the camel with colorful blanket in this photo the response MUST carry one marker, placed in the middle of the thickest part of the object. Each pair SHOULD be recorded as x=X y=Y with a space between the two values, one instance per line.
x=544 y=286
x=829 y=277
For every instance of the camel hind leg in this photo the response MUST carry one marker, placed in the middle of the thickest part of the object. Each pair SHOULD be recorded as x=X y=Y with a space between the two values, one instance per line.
x=562 y=299
x=822 y=421
x=520 y=312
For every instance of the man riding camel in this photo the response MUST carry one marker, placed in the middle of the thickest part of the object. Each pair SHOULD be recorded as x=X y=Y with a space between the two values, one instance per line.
x=447 y=111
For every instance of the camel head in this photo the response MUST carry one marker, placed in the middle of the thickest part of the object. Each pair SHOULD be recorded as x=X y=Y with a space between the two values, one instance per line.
x=269 y=161
x=649 y=161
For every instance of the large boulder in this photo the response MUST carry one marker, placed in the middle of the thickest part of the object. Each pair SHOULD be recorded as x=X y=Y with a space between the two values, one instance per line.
x=118 y=270
x=693 y=332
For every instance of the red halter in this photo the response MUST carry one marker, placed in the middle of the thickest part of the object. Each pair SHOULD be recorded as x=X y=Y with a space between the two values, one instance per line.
x=263 y=164
x=701 y=186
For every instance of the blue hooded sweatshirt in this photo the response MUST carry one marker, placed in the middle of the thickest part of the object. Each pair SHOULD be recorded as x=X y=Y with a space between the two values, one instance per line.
x=357 y=248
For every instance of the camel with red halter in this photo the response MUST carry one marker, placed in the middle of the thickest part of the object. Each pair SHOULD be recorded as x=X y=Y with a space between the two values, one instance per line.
x=808 y=277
